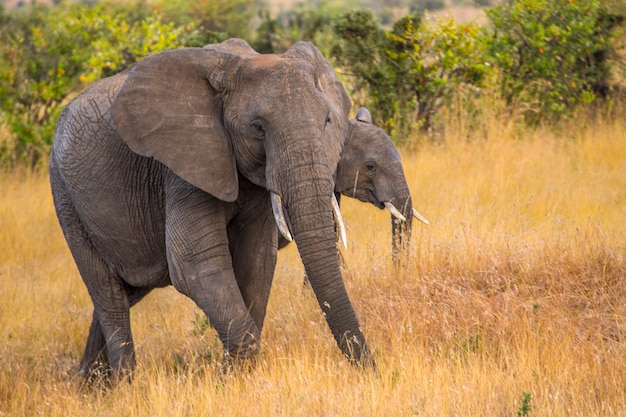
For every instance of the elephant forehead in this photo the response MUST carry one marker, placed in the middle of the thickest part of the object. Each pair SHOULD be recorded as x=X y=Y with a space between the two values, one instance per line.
x=272 y=68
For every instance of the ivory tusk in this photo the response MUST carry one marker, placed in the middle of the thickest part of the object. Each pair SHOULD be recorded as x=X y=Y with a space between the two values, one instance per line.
x=394 y=211
x=279 y=215
x=339 y=221
x=419 y=217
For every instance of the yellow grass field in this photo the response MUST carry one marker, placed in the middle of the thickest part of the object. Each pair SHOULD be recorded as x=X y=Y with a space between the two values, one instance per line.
x=512 y=303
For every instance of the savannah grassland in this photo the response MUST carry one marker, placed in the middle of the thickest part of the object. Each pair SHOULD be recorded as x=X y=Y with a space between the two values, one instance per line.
x=512 y=303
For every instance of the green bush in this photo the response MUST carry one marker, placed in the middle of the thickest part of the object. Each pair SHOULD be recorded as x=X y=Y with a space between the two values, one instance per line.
x=551 y=54
x=303 y=23
x=413 y=70
x=213 y=20
x=48 y=54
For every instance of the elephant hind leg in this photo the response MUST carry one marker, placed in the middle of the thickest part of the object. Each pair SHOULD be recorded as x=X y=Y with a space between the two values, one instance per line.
x=107 y=291
x=94 y=365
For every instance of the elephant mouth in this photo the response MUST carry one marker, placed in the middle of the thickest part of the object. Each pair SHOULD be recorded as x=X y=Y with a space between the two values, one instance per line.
x=283 y=223
x=372 y=199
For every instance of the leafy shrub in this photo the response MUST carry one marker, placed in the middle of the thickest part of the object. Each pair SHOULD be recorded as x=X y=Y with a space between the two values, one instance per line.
x=303 y=23
x=213 y=20
x=544 y=58
x=551 y=54
x=48 y=54
x=360 y=52
x=413 y=70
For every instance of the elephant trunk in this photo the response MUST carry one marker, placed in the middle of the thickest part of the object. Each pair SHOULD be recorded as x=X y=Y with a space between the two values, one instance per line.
x=308 y=207
x=401 y=228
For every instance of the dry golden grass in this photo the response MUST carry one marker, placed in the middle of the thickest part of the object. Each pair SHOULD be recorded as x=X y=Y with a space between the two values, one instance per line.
x=517 y=286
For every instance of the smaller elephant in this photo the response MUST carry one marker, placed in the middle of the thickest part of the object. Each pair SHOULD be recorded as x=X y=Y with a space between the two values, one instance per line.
x=371 y=171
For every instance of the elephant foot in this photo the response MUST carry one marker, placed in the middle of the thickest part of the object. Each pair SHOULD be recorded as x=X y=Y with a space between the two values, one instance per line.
x=100 y=374
x=96 y=375
x=242 y=361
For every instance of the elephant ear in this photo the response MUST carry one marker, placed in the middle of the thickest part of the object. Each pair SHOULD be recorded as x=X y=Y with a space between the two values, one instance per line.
x=328 y=83
x=363 y=115
x=170 y=109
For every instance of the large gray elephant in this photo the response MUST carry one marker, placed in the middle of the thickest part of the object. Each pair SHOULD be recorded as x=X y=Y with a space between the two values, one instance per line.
x=162 y=175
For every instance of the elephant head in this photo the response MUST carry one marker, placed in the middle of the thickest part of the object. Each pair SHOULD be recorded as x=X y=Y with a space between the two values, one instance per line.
x=280 y=121
x=370 y=170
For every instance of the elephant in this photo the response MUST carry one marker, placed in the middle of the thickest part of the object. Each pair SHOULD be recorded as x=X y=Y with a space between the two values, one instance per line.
x=371 y=171
x=178 y=170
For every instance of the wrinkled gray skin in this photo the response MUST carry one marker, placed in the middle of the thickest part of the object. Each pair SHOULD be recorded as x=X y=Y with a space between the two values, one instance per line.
x=160 y=175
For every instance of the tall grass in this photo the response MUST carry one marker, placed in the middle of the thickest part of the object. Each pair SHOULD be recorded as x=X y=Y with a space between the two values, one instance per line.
x=513 y=297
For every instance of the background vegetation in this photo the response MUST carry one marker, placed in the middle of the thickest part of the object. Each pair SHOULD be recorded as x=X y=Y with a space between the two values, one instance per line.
x=543 y=58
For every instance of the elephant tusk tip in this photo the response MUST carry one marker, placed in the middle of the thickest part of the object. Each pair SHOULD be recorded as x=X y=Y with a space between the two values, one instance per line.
x=420 y=217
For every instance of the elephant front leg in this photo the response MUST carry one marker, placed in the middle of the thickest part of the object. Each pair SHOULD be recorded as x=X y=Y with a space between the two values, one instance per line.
x=253 y=239
x=201 y=267
x=210 y=282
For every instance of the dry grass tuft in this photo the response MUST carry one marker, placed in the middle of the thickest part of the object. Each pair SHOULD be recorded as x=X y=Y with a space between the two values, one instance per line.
x=517 y=286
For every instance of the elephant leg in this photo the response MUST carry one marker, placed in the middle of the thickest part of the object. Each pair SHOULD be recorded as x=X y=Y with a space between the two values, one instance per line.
x=111 y=324
x=201 y=267
x=95 y=362
x=253 y=242
x=111 y=309
x=105 y=288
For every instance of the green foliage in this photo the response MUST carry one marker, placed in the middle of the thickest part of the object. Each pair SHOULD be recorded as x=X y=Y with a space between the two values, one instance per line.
x=200 y=324
x=213 y=20
x=121 y=42
x=525 y=408
x=413 y=70
x=551 y=54
x=48 y=54
x=360 y=53
x=305 y=22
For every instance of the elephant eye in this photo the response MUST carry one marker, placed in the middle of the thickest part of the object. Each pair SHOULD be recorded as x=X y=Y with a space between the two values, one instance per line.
x=257 y=130
x=371 y=167
x=327 y=120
